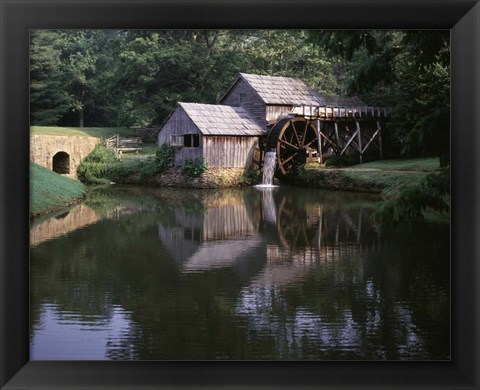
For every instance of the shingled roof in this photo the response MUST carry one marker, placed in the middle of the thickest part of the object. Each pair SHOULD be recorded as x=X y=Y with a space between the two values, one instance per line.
x=282 y=90
x=291 y=91
x=221 y=120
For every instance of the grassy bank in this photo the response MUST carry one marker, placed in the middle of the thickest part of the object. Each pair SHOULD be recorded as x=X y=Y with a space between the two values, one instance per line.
x=50 y=191
x=386 y=177
x=412 y=164
x=391 y=176
x=413 y=189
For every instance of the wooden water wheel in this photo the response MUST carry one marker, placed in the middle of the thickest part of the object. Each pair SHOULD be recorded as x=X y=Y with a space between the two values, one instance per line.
x=291 y=226
x=292 y=139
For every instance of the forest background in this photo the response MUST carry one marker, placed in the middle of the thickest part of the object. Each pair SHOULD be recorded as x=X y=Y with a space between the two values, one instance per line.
x=103 y=78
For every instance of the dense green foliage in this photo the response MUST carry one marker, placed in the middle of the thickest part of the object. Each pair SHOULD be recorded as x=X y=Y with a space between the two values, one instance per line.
x=101 y=154
x=164 y=157
x=413 y=201
x=387 y=177
x=50 y=191
x=102 y=164
x=252 y=177
x=408 y=71
x=135 y=77
x=97 y=166
x=194 y=167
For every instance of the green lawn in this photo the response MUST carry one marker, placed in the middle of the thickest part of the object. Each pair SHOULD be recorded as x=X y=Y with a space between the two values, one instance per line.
x=50 y=191
x=389 y=176
x=393 y=175
x=414 y=164
x=148 y=150
x=391 y=182
x=99 y=132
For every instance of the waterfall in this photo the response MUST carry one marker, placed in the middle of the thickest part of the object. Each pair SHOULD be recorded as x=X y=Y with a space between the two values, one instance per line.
x=269 y=165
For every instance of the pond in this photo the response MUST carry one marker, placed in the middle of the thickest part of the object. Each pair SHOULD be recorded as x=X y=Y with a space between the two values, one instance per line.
x=238 y=274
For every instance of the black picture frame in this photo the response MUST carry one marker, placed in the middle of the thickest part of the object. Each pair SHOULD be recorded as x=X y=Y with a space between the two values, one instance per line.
x=17 y=17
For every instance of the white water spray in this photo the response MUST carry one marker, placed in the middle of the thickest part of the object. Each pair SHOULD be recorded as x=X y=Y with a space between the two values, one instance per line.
x=269 y=165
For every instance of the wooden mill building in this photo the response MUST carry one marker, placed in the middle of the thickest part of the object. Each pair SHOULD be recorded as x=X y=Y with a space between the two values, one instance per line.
x=268 y=98
x=273 y=113
x=222 y=136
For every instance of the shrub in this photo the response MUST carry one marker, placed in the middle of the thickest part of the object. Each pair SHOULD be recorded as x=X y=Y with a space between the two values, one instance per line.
x=97 y=165
x=120 y=171
x=194 y=167
x=89 y=172
x=101 y=154
x=102 y=163
x=252 y=176
x=164 y=157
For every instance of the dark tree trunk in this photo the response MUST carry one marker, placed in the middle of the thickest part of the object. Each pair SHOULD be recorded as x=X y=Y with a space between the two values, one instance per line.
x=80 y=118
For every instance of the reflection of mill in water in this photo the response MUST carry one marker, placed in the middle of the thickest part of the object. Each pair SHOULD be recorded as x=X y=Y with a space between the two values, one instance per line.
x=310 y=240
x=301 y=227
x=306 y=234
x=274 y=229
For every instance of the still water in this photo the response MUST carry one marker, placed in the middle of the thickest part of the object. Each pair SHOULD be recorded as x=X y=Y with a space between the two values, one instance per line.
x=251 y=274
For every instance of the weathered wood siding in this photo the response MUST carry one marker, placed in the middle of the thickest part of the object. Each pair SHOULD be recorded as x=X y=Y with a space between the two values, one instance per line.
x=179 y=124
x=229 y=152
x=243 y=95
x=186 y=239
x=276 y=112
x=225 y=222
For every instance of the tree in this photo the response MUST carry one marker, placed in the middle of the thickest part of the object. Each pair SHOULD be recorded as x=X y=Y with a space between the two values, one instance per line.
x=159 y=68
x=47 y=95
x=128 y=77
x=69 y=70
x=79 y=64
x=408 y=71
x=289 y=53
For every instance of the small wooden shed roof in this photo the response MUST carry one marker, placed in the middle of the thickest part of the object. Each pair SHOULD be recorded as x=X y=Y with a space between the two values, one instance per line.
x=214 y=119
x=277 y=90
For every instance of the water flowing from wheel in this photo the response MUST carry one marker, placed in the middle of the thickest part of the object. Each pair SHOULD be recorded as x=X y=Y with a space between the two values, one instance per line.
x=269 y=166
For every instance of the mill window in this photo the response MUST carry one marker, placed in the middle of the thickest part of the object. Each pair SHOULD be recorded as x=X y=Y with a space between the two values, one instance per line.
x=176 y=140
x=191 y=140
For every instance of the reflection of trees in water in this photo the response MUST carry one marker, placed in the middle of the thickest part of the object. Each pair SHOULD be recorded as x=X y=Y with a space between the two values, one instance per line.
x=319 y=237
x=331 y=248
x=363 y=302
x=315 y=283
